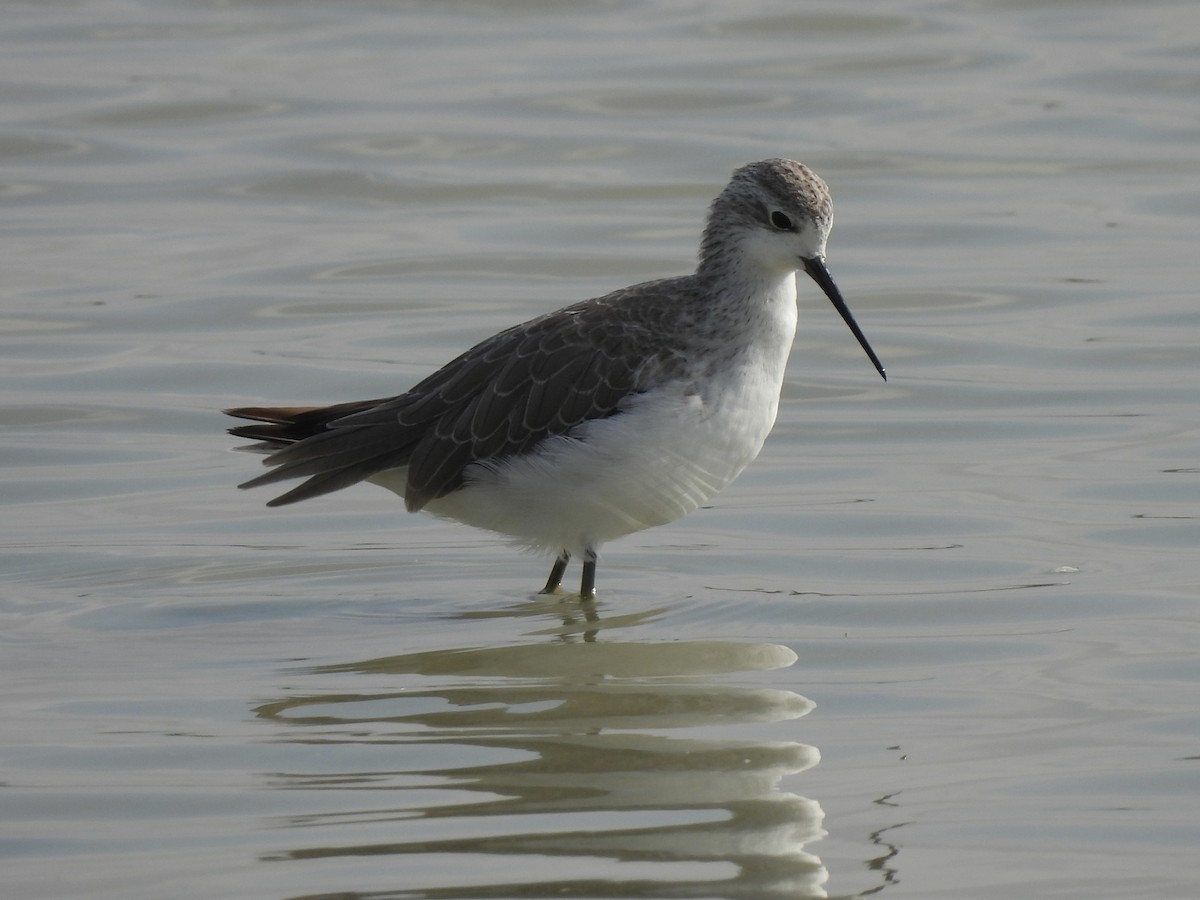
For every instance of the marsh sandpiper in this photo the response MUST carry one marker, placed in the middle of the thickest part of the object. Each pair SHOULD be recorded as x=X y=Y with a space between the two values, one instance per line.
x=602 y=418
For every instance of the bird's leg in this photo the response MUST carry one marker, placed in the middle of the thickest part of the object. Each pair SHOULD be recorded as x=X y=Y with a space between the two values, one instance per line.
x=587 y=585
x=556 y=573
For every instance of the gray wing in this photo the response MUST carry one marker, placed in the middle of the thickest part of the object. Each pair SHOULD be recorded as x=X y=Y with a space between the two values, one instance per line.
x=497 y=400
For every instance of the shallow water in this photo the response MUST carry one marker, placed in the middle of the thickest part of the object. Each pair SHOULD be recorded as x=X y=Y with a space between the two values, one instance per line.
x=939 y=641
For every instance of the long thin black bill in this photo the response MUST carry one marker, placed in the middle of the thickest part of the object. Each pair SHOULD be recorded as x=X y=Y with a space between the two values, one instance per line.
x=817 y=271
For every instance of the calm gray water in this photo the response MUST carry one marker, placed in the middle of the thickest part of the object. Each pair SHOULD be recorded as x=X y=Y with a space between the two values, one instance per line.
x=939 y=642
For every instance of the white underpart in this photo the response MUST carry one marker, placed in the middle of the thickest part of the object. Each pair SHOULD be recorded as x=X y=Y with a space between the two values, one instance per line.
x=670 y=450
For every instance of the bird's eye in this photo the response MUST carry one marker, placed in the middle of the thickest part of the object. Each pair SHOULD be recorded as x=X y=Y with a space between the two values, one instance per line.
x=782 y=221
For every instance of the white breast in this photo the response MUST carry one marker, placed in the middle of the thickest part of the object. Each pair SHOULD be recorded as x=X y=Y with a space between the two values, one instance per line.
x=670 y=450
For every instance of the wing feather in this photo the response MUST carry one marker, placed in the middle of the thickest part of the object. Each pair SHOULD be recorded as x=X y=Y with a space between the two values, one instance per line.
x=496 y=400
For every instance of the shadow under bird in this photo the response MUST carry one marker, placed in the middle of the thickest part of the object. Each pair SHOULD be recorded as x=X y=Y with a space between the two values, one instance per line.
x=602 y=418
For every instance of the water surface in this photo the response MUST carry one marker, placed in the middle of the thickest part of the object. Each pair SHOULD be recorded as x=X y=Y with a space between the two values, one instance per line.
x=939 y=641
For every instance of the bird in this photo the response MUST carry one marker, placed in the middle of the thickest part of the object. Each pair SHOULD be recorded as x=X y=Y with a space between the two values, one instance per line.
x=600 y=419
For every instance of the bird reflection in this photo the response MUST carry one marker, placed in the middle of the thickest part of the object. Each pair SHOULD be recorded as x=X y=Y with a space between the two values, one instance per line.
x=560 y=769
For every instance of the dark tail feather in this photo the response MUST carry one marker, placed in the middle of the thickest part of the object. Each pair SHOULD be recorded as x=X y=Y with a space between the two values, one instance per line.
x=326 y=483
x=329 y=451
x=289 y=424
x=304 y=442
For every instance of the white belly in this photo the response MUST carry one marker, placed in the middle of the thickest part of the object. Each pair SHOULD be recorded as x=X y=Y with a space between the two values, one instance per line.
x=671 y=450
x=667 y=454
